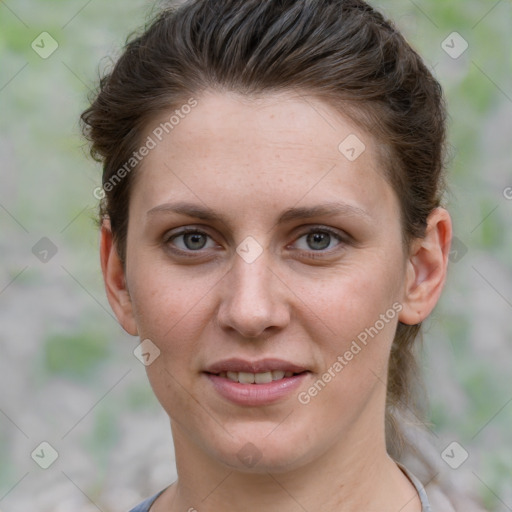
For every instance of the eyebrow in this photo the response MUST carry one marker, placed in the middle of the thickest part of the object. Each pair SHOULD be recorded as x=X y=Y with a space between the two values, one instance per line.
x=329 y=209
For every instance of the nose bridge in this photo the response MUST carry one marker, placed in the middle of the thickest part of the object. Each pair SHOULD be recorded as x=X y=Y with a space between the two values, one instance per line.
x=252 y=299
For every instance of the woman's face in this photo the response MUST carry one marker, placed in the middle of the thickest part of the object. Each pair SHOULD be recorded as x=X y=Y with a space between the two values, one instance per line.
x=294 y=263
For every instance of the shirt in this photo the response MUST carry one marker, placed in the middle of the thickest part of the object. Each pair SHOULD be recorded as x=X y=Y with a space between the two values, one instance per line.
x=425 y=505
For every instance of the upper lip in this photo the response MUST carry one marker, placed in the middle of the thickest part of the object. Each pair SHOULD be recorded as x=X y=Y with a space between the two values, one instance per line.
x=259 y=366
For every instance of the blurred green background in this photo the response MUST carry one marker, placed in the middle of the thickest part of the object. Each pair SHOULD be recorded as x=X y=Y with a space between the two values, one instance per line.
x=67 y=372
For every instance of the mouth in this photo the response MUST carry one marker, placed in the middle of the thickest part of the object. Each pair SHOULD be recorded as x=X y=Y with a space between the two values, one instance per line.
x=255 y=383
x=261 y=371
x=257 y=378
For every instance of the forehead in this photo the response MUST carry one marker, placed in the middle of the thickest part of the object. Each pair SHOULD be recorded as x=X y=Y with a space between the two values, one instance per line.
x=279 y=146
x=288 y=120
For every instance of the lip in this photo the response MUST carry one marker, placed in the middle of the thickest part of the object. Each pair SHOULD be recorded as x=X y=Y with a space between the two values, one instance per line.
x=259 y=366
x=256 y=394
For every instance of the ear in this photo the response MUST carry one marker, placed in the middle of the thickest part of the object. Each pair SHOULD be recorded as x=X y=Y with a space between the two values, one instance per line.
x=426 y=268
x=115 y=281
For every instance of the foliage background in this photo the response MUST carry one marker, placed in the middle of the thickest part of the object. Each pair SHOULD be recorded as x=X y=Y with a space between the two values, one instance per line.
x=67 y=372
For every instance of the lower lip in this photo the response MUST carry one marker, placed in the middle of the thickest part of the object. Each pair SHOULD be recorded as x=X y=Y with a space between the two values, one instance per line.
x=256 y=394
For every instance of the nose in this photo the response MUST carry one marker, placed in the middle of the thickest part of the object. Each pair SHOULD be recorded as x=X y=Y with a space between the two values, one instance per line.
x=254 y=299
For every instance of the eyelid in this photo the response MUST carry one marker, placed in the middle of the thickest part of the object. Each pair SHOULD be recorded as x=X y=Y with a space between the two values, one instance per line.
x=312 y=228
x=184 y=230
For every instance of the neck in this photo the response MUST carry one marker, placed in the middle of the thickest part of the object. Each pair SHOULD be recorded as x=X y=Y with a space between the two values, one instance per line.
x=353 y=475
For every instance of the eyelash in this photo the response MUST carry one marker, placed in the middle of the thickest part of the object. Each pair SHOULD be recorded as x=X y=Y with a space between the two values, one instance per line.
x=311 y=253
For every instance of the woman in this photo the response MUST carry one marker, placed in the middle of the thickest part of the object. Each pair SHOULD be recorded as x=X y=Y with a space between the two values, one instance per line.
x=272 y=230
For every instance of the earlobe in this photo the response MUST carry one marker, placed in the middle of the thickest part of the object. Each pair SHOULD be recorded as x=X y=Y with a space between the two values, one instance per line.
x=115 y=280
x=426 y=268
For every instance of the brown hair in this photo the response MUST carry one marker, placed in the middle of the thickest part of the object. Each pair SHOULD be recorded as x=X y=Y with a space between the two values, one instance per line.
x=341 y=51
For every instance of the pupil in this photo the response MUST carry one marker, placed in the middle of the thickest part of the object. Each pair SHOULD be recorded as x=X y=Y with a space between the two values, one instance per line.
x=194 y=237
x=318 y=237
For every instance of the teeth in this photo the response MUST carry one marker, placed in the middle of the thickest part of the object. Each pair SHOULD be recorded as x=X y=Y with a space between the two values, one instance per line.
x=263 y=378
x=245 y=378
x=256 y=378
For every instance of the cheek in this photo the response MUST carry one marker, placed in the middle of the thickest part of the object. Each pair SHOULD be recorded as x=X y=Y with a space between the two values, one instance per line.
x=170 y=312
x=354 y=356
x=172 y=309
x=167 y=305
x=354 y=298
x=358 y=312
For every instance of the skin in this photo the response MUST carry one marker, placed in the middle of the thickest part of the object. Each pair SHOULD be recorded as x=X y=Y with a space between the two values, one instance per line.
x=249 y=160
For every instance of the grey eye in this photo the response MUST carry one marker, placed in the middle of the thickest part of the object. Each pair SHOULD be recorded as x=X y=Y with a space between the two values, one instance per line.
x=318 y=240
x=194 y=241
x=190 y=240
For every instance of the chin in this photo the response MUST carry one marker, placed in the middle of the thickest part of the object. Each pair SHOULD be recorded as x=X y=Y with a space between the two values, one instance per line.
x=259 y=463
x=261 y=455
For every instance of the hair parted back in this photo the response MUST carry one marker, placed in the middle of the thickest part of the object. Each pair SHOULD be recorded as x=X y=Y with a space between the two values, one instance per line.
x=341 y=51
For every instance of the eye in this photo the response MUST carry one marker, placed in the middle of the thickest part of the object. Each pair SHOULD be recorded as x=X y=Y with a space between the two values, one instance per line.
x=189 y=240
x=319 y=239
